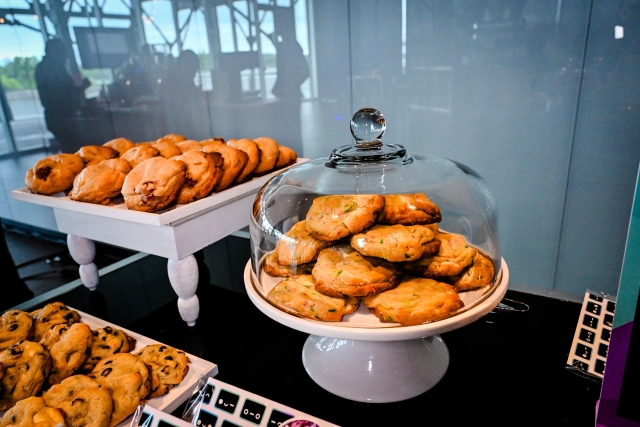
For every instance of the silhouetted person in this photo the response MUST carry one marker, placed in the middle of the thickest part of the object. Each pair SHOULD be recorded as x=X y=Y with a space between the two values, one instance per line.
x=14 y=290
x=292 y=67
x=59 y=94
x=183 y=102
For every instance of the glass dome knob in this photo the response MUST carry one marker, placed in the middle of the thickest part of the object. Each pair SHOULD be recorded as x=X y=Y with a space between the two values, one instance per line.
x=368 y=126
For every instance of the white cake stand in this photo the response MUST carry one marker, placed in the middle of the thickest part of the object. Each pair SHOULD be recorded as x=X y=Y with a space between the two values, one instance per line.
x=365 y=360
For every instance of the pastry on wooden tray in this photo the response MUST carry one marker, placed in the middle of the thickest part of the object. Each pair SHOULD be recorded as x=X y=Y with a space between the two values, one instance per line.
x=83 y=402
x=100 y=183
x=32 y=412
x=253 y=153
x=204 y=171
x=53 y=174
x=154 y=184
x=15 y=326
x=341 y=270
x=396 y=243
x=233 y=163
x=414 y=301
x=335 y=217
x=298 y=296
x=139 y=154
x=26 y=366
x=94 y=154
x=268 y=155
x=409 y=209
x=121 y=145
x=286 y=157
x=168 y=367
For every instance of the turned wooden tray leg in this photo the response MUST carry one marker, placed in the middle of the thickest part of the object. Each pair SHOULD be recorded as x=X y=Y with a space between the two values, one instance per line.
x=183 y=275
x=83 y=251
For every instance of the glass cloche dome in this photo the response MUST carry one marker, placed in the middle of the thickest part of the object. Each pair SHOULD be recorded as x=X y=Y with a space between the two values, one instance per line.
x=331 y=238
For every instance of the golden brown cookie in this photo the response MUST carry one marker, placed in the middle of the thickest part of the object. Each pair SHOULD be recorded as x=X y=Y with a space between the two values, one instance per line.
x=168 y=367
x=153 y=185
x=297 y=246
x=204 y=170
x=172 y=137
x=26 y=365
x=83 y=402
x=415 y=301
x=94 y=154
x=272 y=267
x=128 y=380
x=121 y=145
x=212 y=141
x=55 y=313
x=409 y=209
x=69 y=352
x=342 y=271
x=298 y=296
x=100 y=183
x=53 y=174
x=453 y=256
x=478 y=275
x=395 y=243
x=268 y=155
x=106 y=342
x=32 y=412
x=188 y=145
x=139 y=154
x=253 y=157
x=335 y=217
x=286 y=157
x=166 y=148
x=234 y=161
x=15 y=326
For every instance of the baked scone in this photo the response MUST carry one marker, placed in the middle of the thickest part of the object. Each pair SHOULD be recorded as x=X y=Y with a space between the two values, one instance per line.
x=154 y=184
x=69 y=351
x=286 y=157
x=414 y=301
x=121 y=145
x=106 y=342
x=53 y=174
x=297 y=246
x=233 y=163
x=272 y=267
x=26 y=365
x=32 y=412
x=409 y=209
x=128 y=380
x=204 y=170
x=298 y=296
x=172 y=137
x=210 y=141
x=188 y=145
x=268 y=155
x=335 y=217
x=100 y=183
x=94 y=154
x=478 y=275
x=83 y=402
x=453 y=256
x=396 y=243
x=139 y=154
x=55 y=313
x=340 y=270
x=253 y=153
x=15 y=326
x=166 y=148
x=168 y=366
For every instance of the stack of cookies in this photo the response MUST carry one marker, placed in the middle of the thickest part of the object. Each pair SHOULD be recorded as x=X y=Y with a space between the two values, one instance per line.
x=153 y=175
x=54 y=369
x=386 y=251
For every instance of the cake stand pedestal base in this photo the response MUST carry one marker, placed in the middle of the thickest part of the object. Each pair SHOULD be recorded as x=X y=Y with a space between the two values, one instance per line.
x=375 y=371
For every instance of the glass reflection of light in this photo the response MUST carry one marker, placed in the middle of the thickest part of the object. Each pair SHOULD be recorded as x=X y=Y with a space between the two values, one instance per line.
x=333 y=344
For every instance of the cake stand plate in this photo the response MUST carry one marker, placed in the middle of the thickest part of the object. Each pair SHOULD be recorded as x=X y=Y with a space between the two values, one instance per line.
x=376 y=365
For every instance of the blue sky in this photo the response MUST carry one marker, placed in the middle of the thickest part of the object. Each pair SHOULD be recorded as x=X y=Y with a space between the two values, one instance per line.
x=21 y=41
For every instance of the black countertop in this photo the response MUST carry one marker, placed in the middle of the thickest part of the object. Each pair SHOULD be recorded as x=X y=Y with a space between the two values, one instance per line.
x=505 y=369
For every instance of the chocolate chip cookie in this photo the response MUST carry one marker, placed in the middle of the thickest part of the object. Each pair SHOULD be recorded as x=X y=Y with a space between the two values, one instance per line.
x=55 y=313
x=168 y=367
x=70 y=351
x=106 y=342
x=15 y=326
x=27 y=364
x=32 y=412
x=84 y=403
